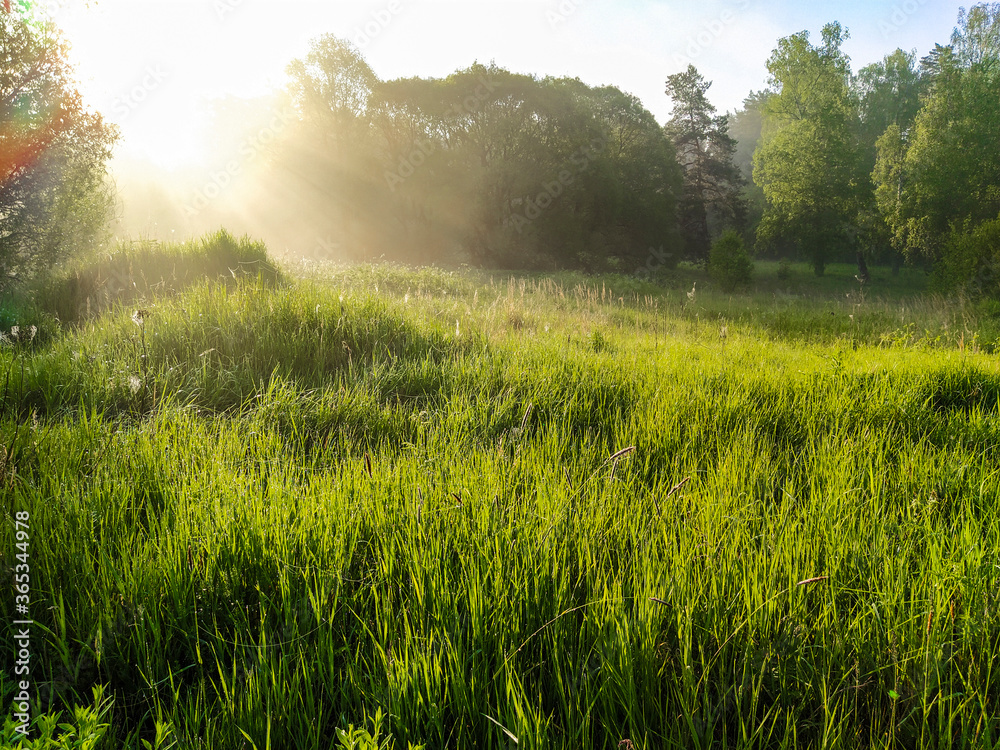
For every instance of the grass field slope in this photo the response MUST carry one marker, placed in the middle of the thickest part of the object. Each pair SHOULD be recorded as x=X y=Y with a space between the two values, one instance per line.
x=375 y=506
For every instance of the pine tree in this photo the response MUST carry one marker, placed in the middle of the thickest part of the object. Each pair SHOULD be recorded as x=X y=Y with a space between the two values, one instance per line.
x=712 y=183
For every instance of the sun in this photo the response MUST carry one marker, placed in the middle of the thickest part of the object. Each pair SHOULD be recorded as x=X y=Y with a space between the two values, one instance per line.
x=150 y=68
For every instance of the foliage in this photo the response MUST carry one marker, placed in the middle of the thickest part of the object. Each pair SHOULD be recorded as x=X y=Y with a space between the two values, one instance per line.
x=945 y=172
x=362 y=739
x=808 y=163
x=485 y=165
x=729 y=263
x=888 y=94
x=712 y=182
x=746 y=128
x=332 y=84
x=54 y=198
x=971 y=261
x=976 y=38
x=84 y=730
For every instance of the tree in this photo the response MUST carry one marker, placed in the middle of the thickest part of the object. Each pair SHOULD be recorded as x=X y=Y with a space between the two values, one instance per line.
x=54 y=195
x=712 y=183
x=746 y=127
x=484 y=165
x=809 y=161
x=327 y=157
x=943 y=175
x=888 y=94
x=333 y=84
x=976 y=39
x=729 y=265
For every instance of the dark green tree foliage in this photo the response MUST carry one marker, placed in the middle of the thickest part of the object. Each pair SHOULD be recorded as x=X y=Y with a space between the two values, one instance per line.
x=941 y=179
x=971 y=261
x=809 y=163
x=486 y=165
x=633 y=196
x=712 y=183
x=529 y=173
x=931 y=63
x=729 y=264
x=888 y=94
x=54 y=199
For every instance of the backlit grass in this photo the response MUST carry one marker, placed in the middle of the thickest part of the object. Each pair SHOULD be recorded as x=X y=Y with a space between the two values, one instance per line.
x=448 y=509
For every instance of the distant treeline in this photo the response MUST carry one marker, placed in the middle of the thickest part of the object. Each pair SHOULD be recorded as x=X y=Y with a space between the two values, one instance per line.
x=485 y=165
x=899 y=161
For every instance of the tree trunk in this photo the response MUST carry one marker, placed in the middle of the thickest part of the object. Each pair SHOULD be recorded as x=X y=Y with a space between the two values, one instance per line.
x=863 y=275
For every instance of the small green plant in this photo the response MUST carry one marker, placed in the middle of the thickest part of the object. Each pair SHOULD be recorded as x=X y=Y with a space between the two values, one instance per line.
x=360 y=738
x=83 y=732
x=600 y=343
x=729 y=265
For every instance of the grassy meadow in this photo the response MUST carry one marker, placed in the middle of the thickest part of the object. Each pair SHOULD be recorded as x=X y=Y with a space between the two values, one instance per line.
x=373 y=506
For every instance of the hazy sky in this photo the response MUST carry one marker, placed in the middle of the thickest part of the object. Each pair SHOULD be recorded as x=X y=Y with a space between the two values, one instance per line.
x=147 y=64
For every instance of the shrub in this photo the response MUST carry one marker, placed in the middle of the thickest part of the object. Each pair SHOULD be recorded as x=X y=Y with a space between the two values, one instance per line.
x=729 y=265
x=971 y=261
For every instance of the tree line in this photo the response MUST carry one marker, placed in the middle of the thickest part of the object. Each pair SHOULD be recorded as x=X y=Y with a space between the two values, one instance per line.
x=899 y=161
x=500 y=168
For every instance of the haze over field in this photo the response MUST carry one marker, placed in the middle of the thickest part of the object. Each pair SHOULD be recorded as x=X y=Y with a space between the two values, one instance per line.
x=155 y=67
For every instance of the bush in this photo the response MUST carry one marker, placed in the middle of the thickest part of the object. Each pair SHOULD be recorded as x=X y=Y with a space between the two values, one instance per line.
x=971 y=261
x=729 y=265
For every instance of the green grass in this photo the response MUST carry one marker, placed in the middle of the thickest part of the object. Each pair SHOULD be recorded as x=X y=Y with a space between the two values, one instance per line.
x=138 y=270
x=435 y=508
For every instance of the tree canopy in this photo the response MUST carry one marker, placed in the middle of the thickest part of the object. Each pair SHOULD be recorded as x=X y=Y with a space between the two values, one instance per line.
x=506 y=169
x=54 y=198
x=941 y=176
x=808 y=161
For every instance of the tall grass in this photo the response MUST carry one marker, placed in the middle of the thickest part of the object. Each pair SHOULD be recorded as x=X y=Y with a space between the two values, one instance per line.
x=138 y=271
x=446 y=509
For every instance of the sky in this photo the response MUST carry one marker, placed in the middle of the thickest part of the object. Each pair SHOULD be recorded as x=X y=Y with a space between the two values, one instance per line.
x=150 y=65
